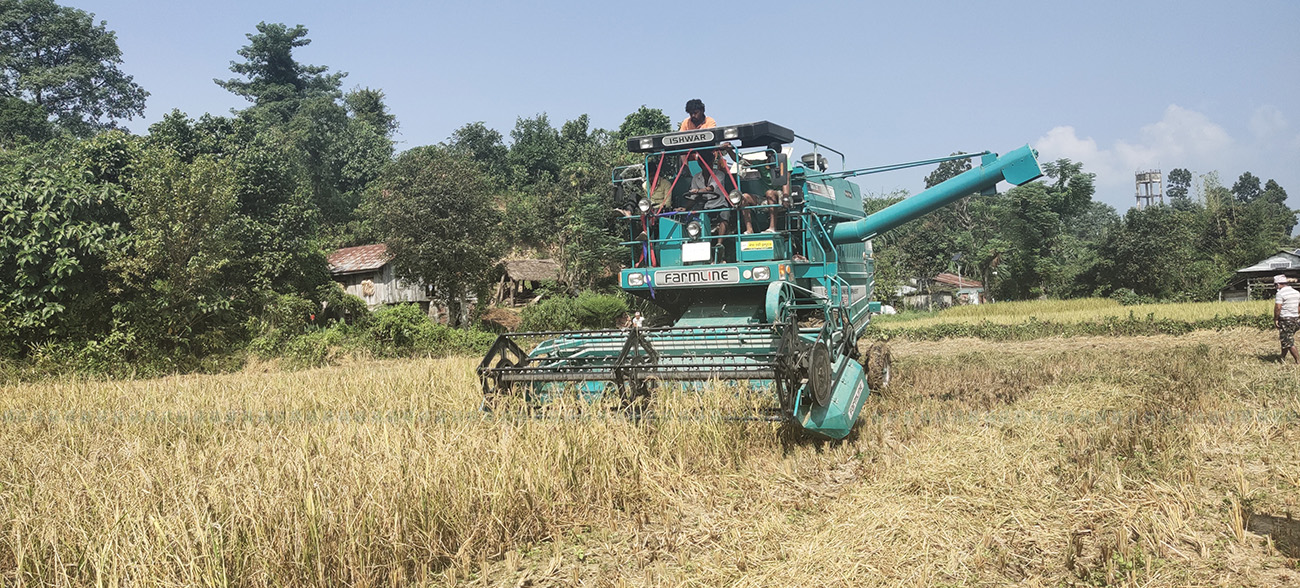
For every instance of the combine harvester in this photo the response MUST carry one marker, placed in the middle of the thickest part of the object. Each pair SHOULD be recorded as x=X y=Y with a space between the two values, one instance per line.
x=779 y=310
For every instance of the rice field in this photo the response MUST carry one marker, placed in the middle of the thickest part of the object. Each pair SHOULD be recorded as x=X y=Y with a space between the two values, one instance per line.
x=1087 y=461
x=1077 y=311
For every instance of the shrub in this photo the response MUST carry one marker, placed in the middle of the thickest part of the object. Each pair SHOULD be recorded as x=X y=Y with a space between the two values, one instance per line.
x=552 y=314
x=400 y=326
x=288 y=314
x=344 y=307
x=599 y=311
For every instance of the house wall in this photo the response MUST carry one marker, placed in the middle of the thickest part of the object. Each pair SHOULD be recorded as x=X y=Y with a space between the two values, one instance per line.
x=384 y=288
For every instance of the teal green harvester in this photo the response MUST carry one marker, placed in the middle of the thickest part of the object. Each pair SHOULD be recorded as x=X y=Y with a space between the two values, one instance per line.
x=780 y=308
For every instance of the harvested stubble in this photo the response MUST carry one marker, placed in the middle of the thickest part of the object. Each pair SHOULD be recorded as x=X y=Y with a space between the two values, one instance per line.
x=1102 y=461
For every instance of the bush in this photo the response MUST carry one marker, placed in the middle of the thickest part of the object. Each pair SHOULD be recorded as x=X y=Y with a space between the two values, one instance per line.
x=400 y=326
x=552 y=314
x=599 y=311
x=287 y=314
x=405 y=329
x=343 y=307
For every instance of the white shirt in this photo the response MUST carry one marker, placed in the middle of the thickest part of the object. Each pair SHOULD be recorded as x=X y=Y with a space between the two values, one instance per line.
x=1289 y=298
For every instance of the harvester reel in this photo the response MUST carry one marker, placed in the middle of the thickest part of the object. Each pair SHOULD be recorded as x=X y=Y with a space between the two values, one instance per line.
x=819 y=374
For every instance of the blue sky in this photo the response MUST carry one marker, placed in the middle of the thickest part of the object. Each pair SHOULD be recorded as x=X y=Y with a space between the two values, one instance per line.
x=1121 y=86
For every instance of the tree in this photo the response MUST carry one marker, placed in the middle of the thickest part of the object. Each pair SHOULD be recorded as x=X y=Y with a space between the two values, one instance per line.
x=57 y=58
x=1154 y=253
x=482 y=144
x=366 y=105
x=22 y=122
x=1247 y=189
x=534 y=155
x=173 y=268
x=645 y=121
x=433 y=210
x=51 y=252
x=947 y=170
x=1179 y=181
x=271 y=73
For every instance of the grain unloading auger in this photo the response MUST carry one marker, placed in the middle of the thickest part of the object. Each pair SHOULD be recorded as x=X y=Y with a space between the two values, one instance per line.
x=778 y=310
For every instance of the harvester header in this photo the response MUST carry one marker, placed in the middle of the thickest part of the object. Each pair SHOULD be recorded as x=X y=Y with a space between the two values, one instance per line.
x=763 y=267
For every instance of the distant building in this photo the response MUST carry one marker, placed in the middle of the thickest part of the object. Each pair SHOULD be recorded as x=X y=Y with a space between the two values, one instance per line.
x=367 y=272
x=964 y=290
x=1259 y=277
x=945 y=290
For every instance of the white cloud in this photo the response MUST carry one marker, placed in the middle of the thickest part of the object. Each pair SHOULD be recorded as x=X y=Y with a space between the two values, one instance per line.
x=1181 y=138
x=1267 y=122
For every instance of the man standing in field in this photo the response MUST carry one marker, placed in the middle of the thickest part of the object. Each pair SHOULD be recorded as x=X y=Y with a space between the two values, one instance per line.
x=1286 y=316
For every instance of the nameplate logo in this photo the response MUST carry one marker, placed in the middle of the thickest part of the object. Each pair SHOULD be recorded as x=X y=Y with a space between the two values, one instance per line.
x=688 y=139
x=714 y=275
x=821 y=190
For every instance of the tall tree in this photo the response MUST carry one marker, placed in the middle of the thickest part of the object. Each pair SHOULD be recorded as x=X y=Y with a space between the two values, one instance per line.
x=367 y=105
x=1180 y=180
x=57 y=58
x=272 y=75
x=645 y=121
x=534 y=155
x=433 y=210
x=51 y=252
x=174 y=266
x=1246 y=188
x=482 y=144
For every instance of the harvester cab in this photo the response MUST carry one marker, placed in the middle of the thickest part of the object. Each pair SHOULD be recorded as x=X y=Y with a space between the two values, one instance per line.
x=763 y=263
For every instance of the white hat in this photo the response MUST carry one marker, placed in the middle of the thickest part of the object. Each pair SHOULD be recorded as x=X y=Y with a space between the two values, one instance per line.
x=1280 y=279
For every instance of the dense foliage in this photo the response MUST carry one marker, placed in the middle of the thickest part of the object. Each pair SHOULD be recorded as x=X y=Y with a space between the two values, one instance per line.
x=205 y=239
x=1051 y=239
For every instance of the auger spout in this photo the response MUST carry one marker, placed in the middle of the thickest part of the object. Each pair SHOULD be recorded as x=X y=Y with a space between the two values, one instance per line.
x=1016 y=167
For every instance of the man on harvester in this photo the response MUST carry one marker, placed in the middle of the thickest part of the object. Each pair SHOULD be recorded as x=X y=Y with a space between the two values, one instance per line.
x=780 y=315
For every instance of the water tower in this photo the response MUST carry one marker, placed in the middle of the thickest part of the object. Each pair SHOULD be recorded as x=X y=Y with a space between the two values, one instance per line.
x=1150 y=185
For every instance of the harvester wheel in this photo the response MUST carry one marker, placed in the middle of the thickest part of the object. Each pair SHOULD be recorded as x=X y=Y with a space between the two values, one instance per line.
x=819 y=374
x=878 y=363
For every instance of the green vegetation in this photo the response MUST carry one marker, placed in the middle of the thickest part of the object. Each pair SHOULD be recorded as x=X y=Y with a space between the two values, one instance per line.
x=1067 y=318
x=202 y=242
x=1050 y=239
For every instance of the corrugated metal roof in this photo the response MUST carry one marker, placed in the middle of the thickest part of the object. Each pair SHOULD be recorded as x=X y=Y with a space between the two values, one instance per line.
x=953 y=280
x=1282 y=260
x=364 y=258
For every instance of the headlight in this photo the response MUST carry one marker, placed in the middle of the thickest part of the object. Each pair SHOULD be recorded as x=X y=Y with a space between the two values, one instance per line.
x=643 y=205
x=647 y=143
x=762 y=273
x=693 y=229
x=730 y=133
x=636 y=279
x=734 y=197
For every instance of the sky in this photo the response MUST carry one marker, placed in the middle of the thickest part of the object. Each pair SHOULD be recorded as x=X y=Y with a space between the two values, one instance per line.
x=1120 y=86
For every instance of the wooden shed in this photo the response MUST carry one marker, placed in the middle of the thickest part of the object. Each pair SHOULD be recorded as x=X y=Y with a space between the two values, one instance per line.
x=366 y=271
x=521 y=276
